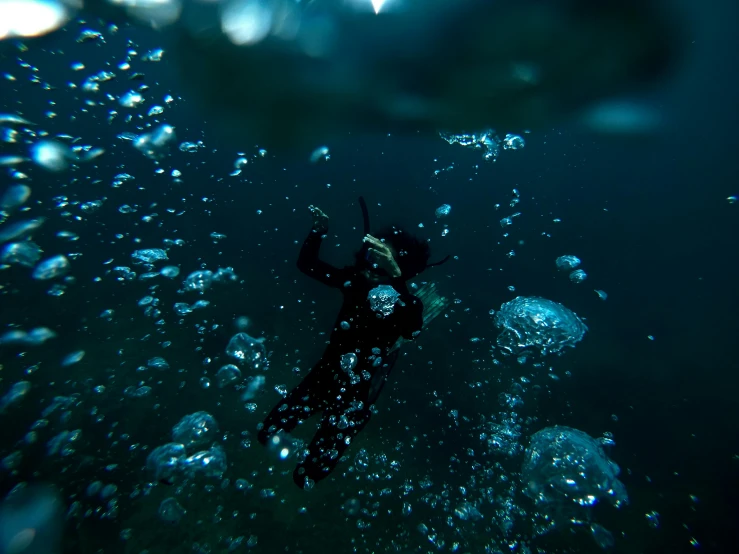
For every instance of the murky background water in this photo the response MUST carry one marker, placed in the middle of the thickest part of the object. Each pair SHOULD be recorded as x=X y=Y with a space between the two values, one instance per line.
x=620 y=378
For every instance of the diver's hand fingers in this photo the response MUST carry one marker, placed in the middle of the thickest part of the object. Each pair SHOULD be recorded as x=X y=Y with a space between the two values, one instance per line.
x=385 y=260
x=373 y=241
x=320 y=220
x=317 y=212
x=378 y=244
x=379 y=255
x=374 y=256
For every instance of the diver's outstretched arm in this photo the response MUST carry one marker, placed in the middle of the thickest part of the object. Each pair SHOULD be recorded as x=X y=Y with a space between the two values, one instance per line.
x=308 y=259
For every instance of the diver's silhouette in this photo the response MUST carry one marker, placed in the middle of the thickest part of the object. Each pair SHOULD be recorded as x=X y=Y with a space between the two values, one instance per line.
x=345 y=397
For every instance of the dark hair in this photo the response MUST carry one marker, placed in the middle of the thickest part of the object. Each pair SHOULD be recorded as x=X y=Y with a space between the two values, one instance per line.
x=411 y=253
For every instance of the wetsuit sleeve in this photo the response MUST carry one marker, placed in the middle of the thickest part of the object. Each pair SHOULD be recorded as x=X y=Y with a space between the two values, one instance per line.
x=310 y=264
x=412 y=312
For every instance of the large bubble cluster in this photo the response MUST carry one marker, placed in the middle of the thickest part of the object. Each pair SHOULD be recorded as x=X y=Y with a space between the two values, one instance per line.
x=196 y=429
x=170 y=462
x=533 y=325
x=382 y=300
x=248 y=350
x=566 y=473
x=31 y=520
x=487 y=140
x=22 y=253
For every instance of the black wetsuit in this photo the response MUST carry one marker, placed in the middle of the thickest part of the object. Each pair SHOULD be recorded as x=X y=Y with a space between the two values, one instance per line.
x=328 y=388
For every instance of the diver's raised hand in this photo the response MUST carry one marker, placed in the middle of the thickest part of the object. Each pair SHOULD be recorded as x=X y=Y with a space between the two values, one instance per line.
x=320 y=220
x=379 y=253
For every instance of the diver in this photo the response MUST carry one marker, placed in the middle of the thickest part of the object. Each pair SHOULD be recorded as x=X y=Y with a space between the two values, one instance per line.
x=363 y=345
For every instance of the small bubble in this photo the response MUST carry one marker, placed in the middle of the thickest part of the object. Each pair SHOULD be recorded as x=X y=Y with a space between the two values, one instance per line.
x=652 y=519
x=443 y=210
x=131 y=99
x=320 y=153
x=578 y=276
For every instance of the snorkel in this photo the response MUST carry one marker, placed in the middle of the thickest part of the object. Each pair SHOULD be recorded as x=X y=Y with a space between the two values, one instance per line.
x=365 y=228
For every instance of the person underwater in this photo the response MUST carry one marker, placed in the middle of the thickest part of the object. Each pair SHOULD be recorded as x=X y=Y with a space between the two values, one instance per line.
x=373 y=322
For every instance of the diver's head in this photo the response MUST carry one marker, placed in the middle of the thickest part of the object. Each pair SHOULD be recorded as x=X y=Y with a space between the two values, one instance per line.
x=410 y=252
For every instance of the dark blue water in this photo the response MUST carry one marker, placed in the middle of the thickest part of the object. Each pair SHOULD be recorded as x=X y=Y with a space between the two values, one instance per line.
x=649 y=218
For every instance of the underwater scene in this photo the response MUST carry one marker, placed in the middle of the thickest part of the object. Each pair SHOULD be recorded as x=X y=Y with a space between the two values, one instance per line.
x=368 y=276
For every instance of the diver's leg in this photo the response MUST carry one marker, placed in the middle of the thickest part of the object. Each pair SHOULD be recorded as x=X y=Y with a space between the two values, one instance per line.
x=339 y=427
x=300 y=404
x=380 y=377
